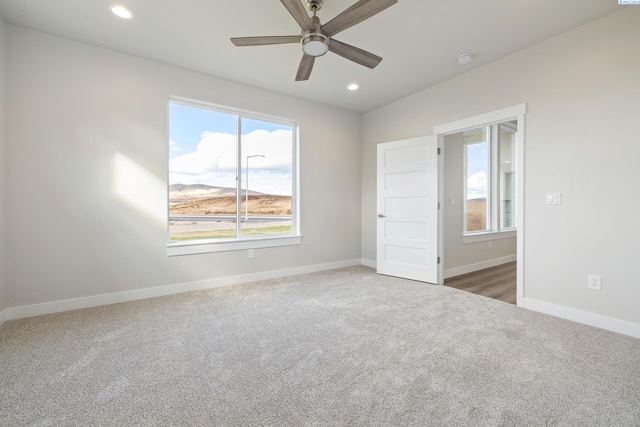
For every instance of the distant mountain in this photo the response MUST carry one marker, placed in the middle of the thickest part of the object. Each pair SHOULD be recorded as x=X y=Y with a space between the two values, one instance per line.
x=180 y=193
x=199 y=187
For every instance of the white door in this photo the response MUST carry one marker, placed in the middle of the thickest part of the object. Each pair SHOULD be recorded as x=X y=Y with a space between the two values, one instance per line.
x=408 y=209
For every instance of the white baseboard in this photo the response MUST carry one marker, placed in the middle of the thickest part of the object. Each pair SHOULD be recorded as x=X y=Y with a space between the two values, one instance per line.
x=368 y=263
x=118 y=297
x=603 y=322
x=4 y=316
x=457 y=271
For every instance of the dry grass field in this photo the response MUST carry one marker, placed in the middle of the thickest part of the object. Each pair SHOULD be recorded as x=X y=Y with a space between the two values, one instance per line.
x=476 y=214
x=264 y=204
x=199 y=199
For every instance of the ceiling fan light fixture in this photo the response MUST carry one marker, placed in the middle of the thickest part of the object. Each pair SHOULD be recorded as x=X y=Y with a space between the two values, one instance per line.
x=315 y=45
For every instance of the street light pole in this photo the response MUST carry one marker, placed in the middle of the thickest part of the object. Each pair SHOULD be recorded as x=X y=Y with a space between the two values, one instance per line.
x=246 y=191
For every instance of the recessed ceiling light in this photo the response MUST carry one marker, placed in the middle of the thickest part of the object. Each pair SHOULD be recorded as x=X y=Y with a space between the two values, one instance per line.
x=353 y=86
x=465 y=58
x=120 y=11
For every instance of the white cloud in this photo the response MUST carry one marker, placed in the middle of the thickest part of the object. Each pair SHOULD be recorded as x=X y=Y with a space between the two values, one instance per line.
x=275 y=146
x=214 y=162
x=477 y=185
x=173 y=146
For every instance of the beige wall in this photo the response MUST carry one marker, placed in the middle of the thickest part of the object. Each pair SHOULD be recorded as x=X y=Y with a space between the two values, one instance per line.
x=74 y=108
x=3 y=168
x=582 y=90
x=458 y=254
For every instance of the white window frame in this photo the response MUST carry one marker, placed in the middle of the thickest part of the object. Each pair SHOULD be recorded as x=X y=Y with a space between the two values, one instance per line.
x=189 y=247
x=493 y=230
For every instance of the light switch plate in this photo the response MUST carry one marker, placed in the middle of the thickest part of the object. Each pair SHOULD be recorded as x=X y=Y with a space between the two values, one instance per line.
x=554 y=198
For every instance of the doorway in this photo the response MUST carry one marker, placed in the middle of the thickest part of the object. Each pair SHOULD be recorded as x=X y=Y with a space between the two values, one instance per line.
x=500 y=230
x=478 y=209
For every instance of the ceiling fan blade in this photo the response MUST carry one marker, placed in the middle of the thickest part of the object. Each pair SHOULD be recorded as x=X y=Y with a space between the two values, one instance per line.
x=259 y=41
x=357 y=13
x=304 y=70
x=299 y=13
x=354 y=54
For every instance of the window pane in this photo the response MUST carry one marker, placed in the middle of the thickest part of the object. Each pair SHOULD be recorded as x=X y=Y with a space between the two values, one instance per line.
x=507 y=175
x=222 y=182
x=202 y=173
x=477 y=173
x=267 y=179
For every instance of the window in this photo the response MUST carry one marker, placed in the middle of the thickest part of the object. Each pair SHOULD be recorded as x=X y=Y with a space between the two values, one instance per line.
x=490 y=178
x=232 y=180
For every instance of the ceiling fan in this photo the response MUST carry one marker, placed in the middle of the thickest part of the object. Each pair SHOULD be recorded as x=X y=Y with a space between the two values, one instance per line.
x=317 y=39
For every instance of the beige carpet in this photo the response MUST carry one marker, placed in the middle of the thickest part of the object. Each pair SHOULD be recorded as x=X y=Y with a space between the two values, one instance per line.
x=344 y=347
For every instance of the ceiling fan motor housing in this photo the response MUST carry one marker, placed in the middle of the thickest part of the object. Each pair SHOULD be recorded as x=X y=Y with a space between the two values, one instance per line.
x=315 y=42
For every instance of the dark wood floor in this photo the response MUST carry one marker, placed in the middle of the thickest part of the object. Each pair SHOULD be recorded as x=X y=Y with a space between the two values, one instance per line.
x=495 y=282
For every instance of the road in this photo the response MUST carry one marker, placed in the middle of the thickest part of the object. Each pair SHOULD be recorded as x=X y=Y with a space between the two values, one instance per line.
x=230 y=218
x=192 y=223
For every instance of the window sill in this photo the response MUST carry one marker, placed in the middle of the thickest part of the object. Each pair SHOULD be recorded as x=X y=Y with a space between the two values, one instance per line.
x=191 y=247
x=491 y=235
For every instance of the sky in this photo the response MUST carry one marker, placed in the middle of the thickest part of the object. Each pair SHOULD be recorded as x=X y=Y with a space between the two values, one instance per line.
x=477 y=170
x=202 y=150
x=478 y=158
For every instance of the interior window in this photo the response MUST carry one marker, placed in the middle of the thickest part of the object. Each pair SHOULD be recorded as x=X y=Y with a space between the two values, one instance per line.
x=490 y=178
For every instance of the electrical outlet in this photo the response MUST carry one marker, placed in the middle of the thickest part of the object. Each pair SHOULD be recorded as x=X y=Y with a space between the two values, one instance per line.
x=595 y=282
x=252 y=254
x=490 y=243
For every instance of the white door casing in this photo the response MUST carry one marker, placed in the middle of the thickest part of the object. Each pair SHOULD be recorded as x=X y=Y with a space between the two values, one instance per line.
x=516 y=112
x=407 y=194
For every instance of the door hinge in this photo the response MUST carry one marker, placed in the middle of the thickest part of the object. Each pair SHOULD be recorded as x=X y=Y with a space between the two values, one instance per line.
x=439 y=151
x=438 y=260
x=438 y=205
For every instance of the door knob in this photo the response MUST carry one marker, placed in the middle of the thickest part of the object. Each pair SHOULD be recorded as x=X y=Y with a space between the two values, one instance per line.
x=381 y=215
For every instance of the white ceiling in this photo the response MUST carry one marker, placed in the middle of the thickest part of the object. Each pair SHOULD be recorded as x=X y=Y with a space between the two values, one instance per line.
x=418 y=39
